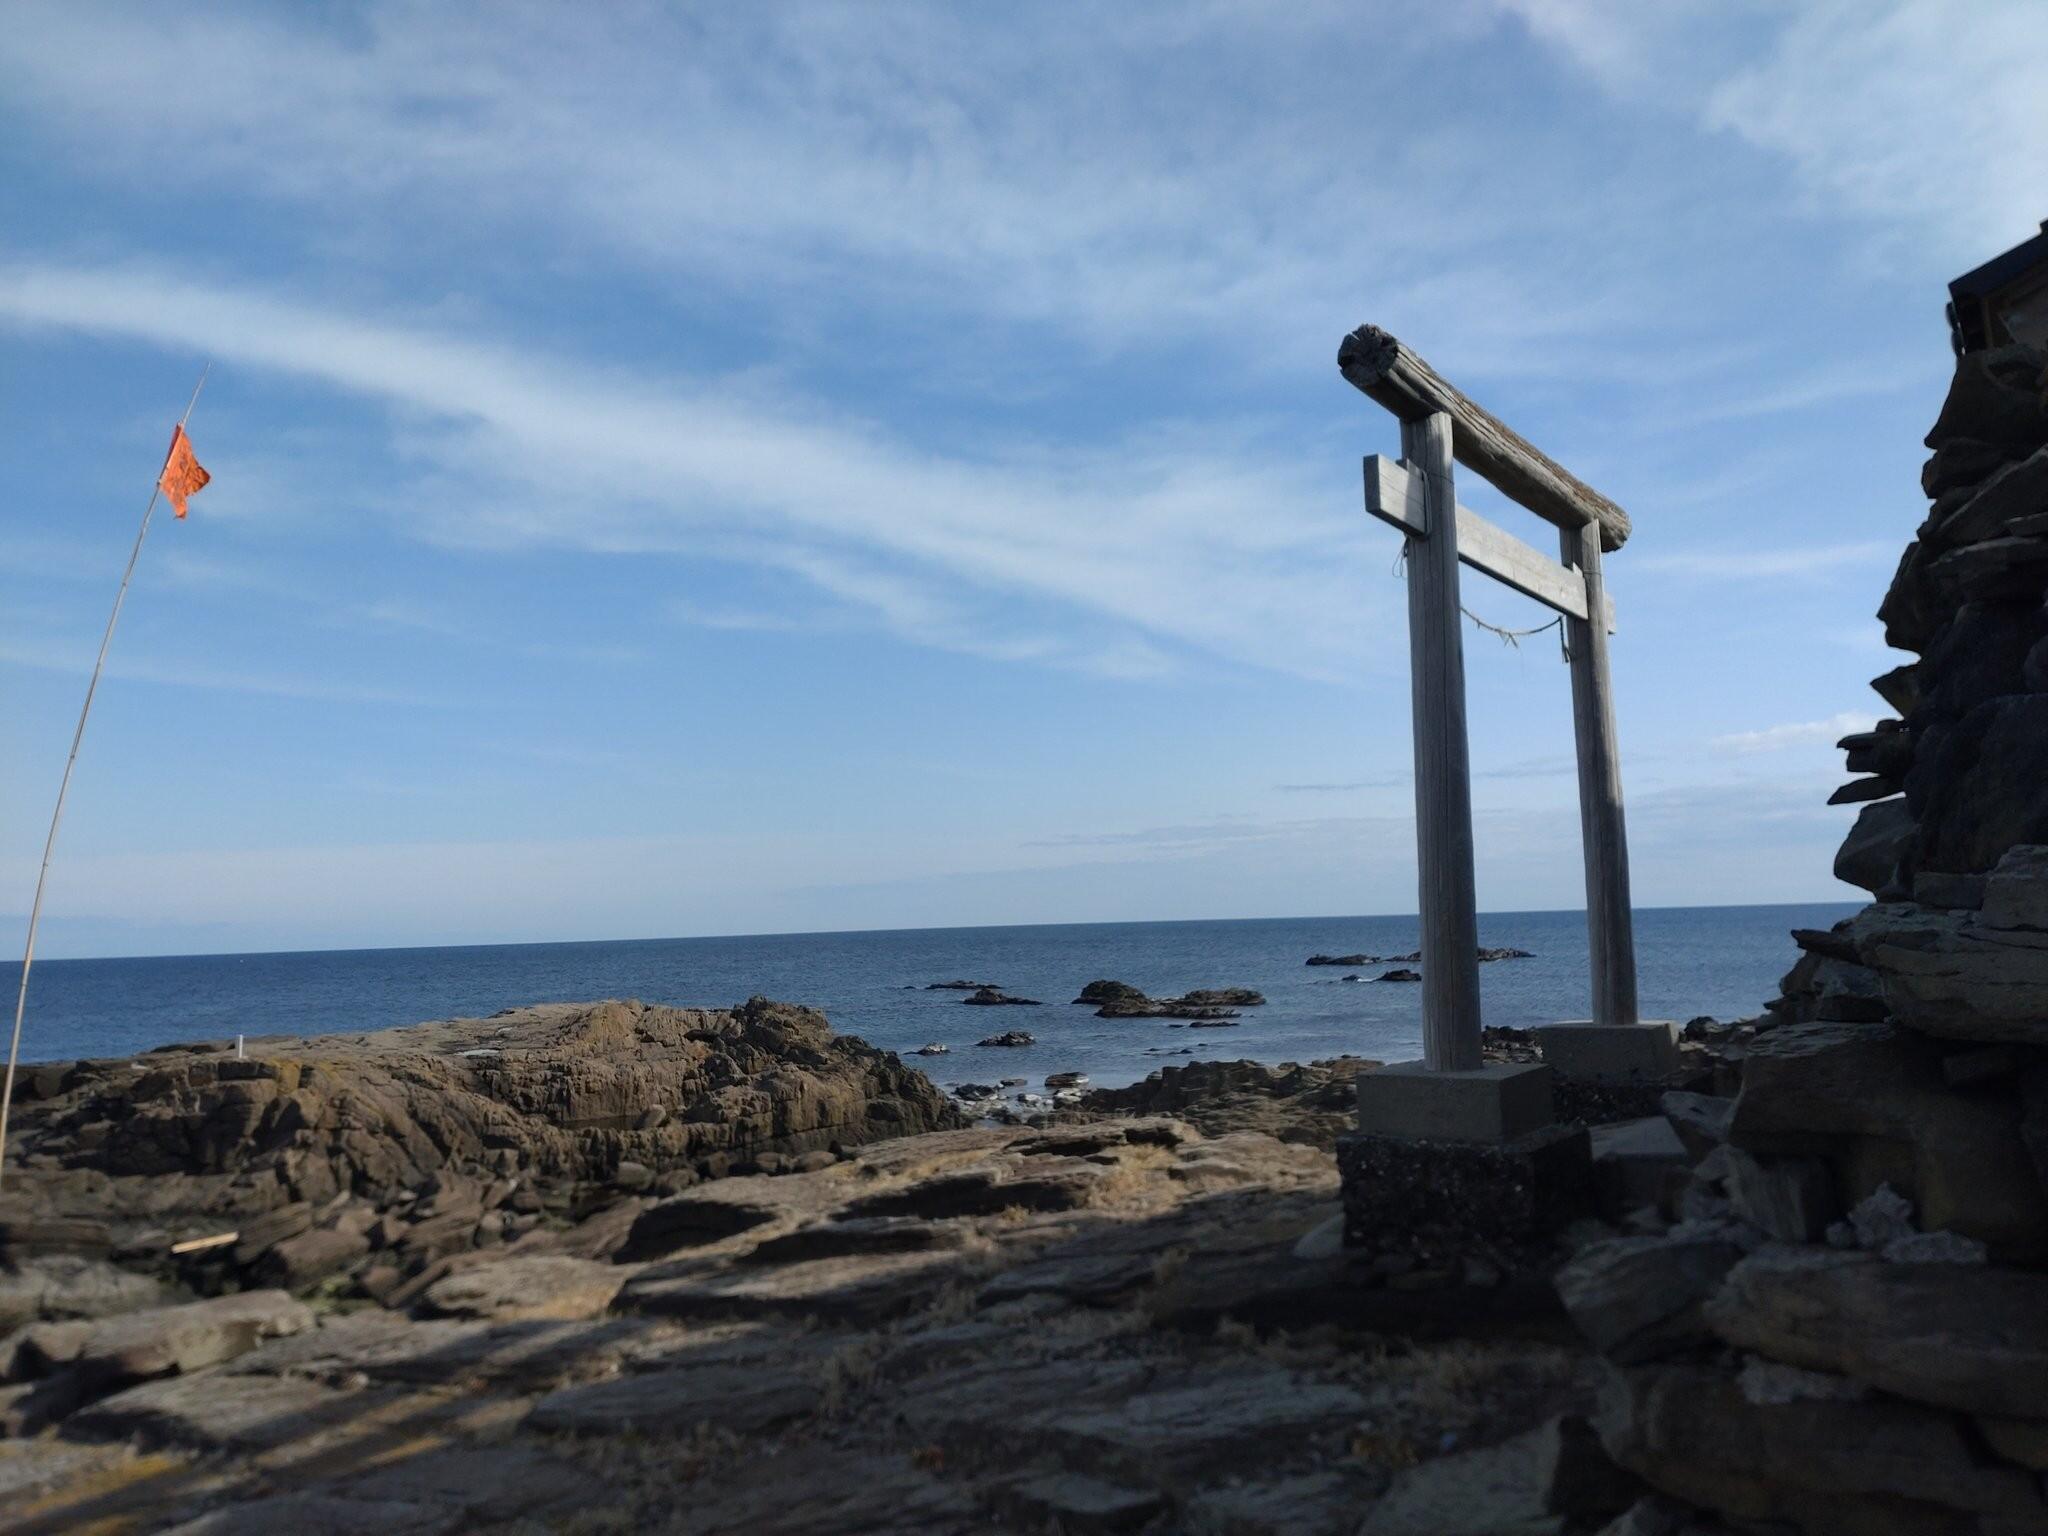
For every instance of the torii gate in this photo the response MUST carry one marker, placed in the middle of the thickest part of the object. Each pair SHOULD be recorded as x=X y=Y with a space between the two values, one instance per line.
x=1418 y=496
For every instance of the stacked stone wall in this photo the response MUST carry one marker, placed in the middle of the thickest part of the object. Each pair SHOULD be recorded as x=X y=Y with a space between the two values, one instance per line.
x=1845 y=1329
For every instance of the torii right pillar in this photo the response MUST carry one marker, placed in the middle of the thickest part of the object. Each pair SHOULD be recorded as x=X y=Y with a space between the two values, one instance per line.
x=1614 y=1045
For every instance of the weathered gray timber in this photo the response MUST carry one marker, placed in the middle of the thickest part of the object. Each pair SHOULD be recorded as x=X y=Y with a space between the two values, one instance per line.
x=1443 y=774
x=1406 y=385
x=1396 y=497
x=1610 y=921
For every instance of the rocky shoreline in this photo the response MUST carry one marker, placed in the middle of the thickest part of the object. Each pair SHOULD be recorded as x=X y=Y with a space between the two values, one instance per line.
x=803 y=1297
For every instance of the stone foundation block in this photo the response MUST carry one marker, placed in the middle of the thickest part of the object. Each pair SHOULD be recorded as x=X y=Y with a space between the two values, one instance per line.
x=1612 y=1053
x=1496 y=1103
x=1465 y=1194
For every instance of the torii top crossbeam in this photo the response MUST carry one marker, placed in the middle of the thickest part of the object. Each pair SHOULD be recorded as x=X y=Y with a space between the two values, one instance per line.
x=1401 y=381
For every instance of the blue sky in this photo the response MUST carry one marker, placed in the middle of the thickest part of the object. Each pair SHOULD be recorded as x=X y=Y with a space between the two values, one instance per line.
x=735 y=469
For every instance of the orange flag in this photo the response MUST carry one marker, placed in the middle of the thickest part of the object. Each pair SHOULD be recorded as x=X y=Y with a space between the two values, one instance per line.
x=182 y=477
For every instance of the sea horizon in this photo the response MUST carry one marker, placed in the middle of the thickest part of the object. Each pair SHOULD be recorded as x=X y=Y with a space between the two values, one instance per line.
x=43 y=959
x=880 y=984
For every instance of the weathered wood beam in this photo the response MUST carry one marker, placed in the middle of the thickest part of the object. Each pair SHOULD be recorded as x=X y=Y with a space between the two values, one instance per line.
x=1396 y=497
x=1610 y=914
x=1394 y=376
x=1447 y=899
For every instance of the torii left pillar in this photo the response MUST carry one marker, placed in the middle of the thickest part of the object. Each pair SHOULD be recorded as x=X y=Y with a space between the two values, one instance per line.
x=1452 y=1094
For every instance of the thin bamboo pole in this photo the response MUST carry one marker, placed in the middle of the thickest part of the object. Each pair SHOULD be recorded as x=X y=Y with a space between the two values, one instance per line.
x=35 y=911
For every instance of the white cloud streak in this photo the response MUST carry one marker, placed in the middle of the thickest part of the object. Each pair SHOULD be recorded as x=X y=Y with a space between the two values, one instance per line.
x=1803 y=733
x=1812 y=560
x=1163 y=544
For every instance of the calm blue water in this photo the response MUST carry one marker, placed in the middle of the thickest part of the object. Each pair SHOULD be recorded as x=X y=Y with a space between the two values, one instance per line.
x=1715 y=960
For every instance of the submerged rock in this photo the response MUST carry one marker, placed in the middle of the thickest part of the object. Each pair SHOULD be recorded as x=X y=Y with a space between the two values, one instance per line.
x=990 y=997
x=1097 y=993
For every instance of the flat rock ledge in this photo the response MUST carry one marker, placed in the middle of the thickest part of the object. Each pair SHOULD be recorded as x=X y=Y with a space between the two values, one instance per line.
x=1125 y=1325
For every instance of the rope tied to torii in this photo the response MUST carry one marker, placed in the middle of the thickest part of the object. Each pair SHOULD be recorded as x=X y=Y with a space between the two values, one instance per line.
x=1512 y=638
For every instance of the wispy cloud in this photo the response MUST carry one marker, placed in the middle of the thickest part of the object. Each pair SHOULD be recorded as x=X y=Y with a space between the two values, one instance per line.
x=1383 y=781
x=1922 y=117
x=1802 y=733
x=1739 y=565
x=1926 y=111
x=1153 y=545
x=176 y=674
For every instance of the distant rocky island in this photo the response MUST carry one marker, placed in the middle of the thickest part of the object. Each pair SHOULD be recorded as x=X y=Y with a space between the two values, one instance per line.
x=1352 y=961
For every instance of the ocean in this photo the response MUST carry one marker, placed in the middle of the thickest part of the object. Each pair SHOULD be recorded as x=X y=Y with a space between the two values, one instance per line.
x=1722 y=961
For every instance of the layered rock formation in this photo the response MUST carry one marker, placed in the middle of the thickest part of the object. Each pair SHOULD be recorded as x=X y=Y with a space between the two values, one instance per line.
x=1844 y=1325
x=189 y=1140
x=1314 y=1102
x=979 y=1331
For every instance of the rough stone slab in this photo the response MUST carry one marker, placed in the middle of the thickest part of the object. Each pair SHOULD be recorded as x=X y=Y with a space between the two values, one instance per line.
x=35 y=1287
x=321 y=1514
x=522 y=1356
x=1495 y=1103
x=1825 y=1464
x=1046 y=1184
x=1013 y=1400
x=1790 y=1199
x=1631 y=1161
x=1077 y=1504
x=30 y=1468
x=1308 y=1504
x=2016 y=892
x=1520 y=1487
x=159 y=1340
x=298 y=1262
x=1955 y=975
x=744 y=1399
x=703 y=1217
x=808 y=1491
x=1871 y=1098
x=2024 y=1441
x=1644 y=1052
x=1701 y=1120
x=217 y=1412
x=859 y=1290
x=1231 y=1415
x=1869 y=855
x=1635 y=1298
x=2012 y=491
x=496 y=1484
x=1960 y=1336
x=1095 y=1279
x=1937 y=888
x=549 y=1286
x=861 y=1235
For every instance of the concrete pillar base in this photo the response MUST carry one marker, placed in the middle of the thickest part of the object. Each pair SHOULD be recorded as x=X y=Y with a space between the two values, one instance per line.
x=1611 y=1053
x=1497 y=1103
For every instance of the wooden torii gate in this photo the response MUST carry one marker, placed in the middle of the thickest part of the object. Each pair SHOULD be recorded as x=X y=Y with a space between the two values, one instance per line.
x=1418 y=497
